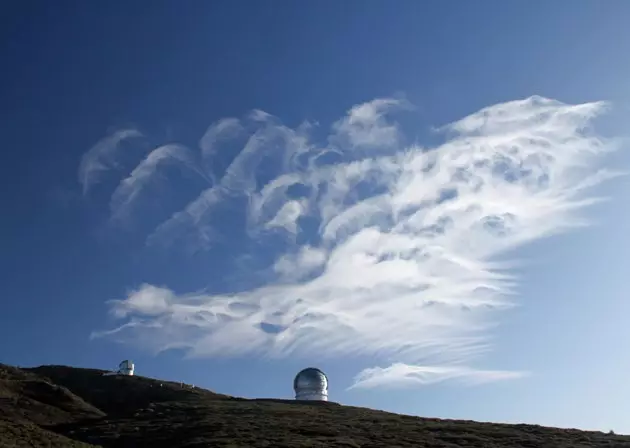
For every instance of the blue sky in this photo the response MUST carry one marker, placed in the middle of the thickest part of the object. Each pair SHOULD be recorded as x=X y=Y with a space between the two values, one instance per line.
x=227 y=192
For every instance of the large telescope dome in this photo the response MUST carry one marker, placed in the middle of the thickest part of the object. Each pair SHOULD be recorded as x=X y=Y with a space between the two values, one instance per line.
x=311 y=384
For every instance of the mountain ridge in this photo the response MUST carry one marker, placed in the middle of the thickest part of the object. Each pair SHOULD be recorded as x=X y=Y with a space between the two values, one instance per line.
x=61 y=406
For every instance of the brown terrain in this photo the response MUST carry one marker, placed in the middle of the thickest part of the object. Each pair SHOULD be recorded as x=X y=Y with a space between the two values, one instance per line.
x=58 y=406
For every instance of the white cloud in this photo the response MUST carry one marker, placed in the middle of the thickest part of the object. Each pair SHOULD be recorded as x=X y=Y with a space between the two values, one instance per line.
x=148 y=299
x=129 y=189
x=305 y=261
x=405 y=375
x=102 y=157
x=366 y=124
x=264 y=140
x=287 y=216
x=401 y=264
x=224 y=129
x=192 y=221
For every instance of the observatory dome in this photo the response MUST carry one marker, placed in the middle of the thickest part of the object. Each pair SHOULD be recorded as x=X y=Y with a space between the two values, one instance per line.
x=126 y=367
x=311 y=384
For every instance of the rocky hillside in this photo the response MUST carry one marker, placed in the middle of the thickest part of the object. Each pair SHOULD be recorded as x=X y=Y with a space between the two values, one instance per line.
x=58 y=406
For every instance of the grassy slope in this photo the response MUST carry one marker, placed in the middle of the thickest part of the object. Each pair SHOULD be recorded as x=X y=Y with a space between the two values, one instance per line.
x=57 y=406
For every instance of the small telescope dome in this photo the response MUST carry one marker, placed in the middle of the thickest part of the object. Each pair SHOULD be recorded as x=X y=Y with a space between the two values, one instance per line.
x=311 y=384
x=126 y=368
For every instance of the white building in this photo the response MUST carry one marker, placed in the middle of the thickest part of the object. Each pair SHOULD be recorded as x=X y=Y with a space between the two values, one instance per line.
x=311 y=384
x=126 y=367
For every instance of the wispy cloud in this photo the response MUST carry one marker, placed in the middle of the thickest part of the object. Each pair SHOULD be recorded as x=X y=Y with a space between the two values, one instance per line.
x=224 y=129
x=102 y=157
x=366 y=125
x=404 y=375
x=391 y=250
x=263 y=140
x=130 y=188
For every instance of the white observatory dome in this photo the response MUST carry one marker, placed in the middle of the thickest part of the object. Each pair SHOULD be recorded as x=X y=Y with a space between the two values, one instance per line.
x=311 y=384
x=126 y=368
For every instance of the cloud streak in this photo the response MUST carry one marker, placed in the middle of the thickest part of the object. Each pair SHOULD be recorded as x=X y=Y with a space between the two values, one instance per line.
x=366 y=125
x=390 y=251
x=128 y=191
x=102 y=157
x=403 y=375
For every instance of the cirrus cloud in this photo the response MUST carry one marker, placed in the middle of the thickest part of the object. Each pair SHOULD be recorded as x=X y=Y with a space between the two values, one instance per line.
x=391 y=251
x=102 y=157
x=129 y=189
x=399 y=374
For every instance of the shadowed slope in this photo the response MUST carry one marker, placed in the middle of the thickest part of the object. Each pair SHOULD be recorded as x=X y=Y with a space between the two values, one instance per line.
x=121 y=395
x=49 y=405
x=30 y=403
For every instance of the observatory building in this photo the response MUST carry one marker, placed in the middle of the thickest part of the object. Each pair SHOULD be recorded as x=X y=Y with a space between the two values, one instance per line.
x=126 y=368
x=311 y=384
